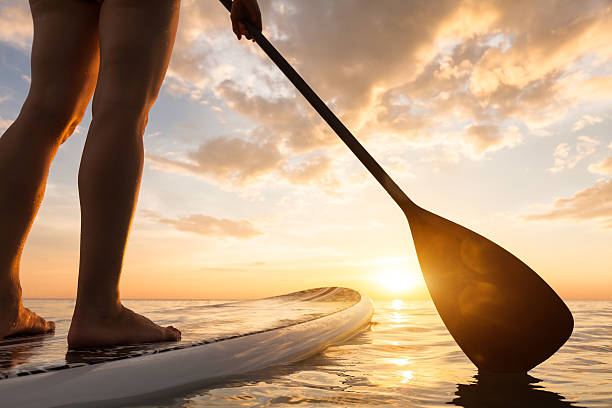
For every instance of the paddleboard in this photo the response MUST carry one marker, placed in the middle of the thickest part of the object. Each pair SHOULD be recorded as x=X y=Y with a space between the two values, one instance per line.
x=219 y=340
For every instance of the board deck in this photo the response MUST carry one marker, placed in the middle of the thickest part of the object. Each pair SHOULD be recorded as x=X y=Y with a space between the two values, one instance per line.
x=218 y=340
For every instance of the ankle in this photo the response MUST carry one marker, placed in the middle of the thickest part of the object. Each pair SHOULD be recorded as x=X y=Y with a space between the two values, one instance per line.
x=10 y=290
x=96 y=310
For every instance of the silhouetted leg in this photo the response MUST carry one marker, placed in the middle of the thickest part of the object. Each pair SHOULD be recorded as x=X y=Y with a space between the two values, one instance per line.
x=64 y=71
x=136 y=39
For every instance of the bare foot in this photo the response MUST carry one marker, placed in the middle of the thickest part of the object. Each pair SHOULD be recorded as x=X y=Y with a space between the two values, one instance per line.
x=16 y=320
x=122 y=327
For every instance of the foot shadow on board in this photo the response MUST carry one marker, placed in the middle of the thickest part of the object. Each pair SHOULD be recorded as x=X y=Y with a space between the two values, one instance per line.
x=507 y=391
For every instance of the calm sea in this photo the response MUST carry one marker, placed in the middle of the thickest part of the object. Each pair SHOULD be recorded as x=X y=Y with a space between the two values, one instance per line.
x=406 y=359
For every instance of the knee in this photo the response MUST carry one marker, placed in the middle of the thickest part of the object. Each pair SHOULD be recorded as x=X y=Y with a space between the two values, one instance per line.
x=122 y=117
x=58 y=119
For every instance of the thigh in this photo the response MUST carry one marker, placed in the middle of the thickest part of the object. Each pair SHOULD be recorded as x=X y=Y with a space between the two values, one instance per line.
x=65 y=53
x=136 y=40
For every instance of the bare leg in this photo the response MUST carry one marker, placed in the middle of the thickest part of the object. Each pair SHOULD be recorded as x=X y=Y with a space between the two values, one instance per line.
x=136 y=39
x=64 y=70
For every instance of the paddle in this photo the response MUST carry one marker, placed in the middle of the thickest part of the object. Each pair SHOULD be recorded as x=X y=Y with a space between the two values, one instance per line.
x=500 y=312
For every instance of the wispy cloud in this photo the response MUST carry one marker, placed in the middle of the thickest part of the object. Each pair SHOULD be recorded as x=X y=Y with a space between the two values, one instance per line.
x=211 y=226
x=594 y=202
x=16 y=26
x=604 y=167
x=314 y=169
x=564 y=159
x=586 y=120
x=591 y=89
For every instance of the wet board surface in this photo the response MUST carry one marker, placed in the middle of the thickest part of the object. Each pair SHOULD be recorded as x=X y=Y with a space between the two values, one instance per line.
x=217 y=340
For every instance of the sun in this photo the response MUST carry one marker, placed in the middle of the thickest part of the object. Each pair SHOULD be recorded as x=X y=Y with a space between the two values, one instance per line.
x=397 y=280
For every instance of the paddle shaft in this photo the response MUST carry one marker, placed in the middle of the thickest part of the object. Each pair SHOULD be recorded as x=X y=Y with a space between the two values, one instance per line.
x=501 y=313
x=332 y=120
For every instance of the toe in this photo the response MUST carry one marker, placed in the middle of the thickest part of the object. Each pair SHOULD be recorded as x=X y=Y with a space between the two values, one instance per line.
x=50 y=327
x=173 y=333
x=29 y=323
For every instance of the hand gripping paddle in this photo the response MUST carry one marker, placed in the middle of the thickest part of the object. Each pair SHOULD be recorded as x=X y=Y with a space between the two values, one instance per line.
x=500 y=312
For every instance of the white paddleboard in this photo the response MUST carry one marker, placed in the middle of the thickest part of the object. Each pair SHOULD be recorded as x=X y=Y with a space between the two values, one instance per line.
x=218 y=340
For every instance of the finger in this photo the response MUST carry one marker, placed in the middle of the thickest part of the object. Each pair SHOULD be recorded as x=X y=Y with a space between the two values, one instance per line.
x=244 y=31
x=235 y=17
x=235 y=26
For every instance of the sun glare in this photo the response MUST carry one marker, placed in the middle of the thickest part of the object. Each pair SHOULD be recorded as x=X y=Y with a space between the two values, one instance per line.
x=397 y=304
x=396 y=280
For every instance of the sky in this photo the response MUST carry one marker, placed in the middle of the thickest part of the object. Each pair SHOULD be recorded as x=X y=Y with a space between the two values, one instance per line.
x=494 y=114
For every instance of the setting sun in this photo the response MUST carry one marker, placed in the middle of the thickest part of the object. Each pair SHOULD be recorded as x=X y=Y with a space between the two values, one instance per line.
x=398 y=280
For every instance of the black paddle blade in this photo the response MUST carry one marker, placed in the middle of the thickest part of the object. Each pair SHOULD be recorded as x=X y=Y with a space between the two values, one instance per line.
x=501 y=313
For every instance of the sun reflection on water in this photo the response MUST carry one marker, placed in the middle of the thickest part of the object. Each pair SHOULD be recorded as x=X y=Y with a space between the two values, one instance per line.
x=400 y=361
x=398 y=317
x=407 y=376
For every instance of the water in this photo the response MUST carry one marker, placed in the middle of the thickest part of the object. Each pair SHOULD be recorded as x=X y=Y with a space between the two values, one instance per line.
x=406 y=359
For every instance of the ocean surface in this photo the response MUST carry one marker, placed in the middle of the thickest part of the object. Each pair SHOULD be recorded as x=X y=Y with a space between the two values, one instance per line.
x=406 y=359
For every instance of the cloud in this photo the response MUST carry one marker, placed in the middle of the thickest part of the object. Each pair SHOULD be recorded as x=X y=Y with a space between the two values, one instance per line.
x=562 y=35
x=16 y=26
x=595 y=89
x=196 y=46
x=485 y=138
x=585 y=121
x=207 y=225
x=594 y=202
x=585 y=146
x=488 y=67
x=234 y=161
x=395 y=114
x=281 y=118
x=561 y=155
x=604 y=167
x=516 y=63
x=312 y=170
x=283 y=144
x=230 y=160
x=357 y=58
x=478 y=61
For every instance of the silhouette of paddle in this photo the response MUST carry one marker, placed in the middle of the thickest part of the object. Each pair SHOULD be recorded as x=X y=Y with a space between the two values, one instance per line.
x=500 y=312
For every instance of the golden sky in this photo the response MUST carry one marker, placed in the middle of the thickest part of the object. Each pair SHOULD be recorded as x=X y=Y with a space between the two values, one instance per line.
x=494 y=114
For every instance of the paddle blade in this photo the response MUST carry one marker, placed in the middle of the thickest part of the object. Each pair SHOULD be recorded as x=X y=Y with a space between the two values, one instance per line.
x=500 y=312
